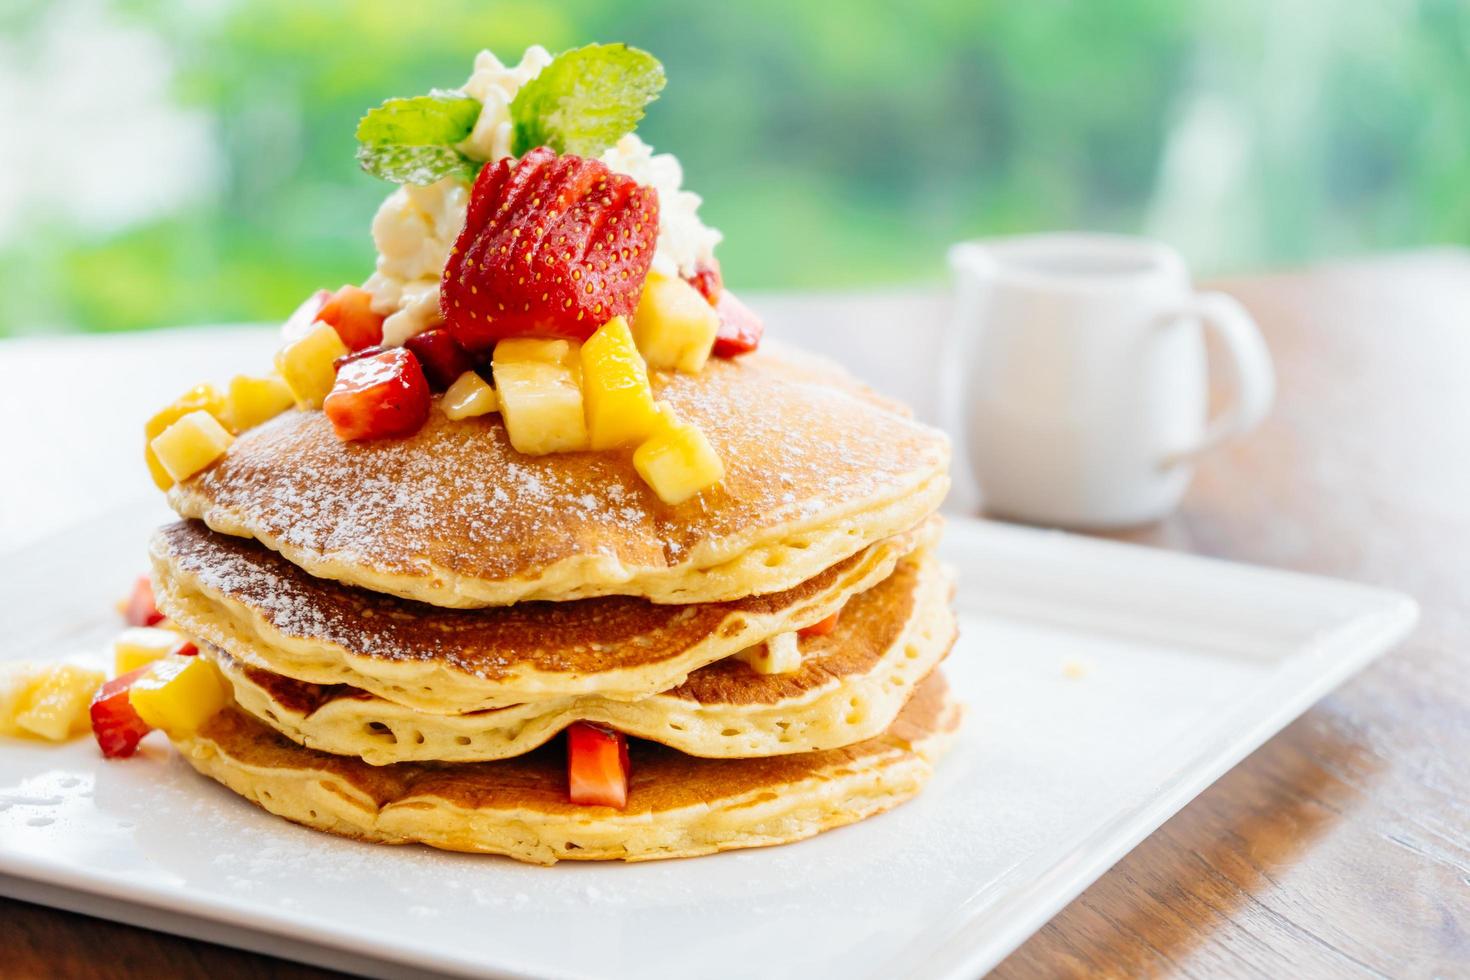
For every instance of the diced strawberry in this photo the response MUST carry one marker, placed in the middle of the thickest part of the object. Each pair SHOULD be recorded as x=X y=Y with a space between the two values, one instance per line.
x=597 y=765
x=379 y=396
x=114 y=720
x=357 y=355
x=141 y=609
x=350 y=312
x=186 y=649
x=553 y=246
x=822 y=627
x=740 y=329
x=441 y=357
x=300 y=321
x=707 y=280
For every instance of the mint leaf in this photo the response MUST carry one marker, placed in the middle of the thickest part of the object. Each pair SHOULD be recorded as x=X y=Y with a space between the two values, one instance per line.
x=586 y=99
x=411 y=141
x=437 y=119
x=414 y=164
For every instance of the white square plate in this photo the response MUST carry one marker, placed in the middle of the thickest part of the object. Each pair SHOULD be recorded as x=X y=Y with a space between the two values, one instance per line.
x=1107 y=686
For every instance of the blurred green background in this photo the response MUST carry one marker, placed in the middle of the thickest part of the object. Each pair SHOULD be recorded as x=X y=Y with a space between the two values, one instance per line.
x=192 y=161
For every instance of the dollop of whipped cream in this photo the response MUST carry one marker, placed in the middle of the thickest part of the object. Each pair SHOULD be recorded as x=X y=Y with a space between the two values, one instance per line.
x=415 y=227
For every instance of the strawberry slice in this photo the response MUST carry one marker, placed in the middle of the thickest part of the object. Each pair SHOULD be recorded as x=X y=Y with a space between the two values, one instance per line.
x=115 y=722
x=740 y=329
x=822 y=627
x=553 y=246
x=707 y=280
x=357 y=355
x=597 y=765
x=379 y=396
x=441 y=357
x=141 y=610
x=350 y=312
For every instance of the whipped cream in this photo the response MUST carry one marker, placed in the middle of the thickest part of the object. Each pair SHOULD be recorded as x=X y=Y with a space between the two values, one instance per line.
x=415 y=227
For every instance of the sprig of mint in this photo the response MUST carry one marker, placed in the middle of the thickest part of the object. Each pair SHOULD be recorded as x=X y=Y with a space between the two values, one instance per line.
x=411 y=141
x=585 y=100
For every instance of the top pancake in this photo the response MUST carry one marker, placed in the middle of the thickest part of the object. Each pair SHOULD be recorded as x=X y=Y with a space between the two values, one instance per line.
x=816 y=469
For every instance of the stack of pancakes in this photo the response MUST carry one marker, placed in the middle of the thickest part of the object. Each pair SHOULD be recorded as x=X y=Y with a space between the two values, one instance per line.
x=408 y=625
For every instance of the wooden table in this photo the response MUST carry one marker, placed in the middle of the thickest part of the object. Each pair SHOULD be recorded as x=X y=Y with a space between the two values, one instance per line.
x=1341 y=847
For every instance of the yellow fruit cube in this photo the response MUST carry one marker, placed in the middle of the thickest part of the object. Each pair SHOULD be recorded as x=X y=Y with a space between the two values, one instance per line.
x=16 y=683
x=306 y=364
x=674 y=325
x=55 y=706
x=615 y=388
x=677 y=461
x=200 y=398
x=190 y=444
x=141 y=645
x=539 y=386
x=469 y=396
x=251 y=401
x=179 y=694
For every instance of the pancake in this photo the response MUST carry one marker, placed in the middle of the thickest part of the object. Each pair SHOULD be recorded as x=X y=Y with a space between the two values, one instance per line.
x=850 y=686
x=678 y=805
x=816 y=470
x=269 y=614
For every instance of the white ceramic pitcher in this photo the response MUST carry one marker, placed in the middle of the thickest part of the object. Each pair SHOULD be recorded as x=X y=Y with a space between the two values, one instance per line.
x=1082 y=379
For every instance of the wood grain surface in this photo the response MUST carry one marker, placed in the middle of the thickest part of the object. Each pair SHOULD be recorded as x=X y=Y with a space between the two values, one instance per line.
x=1341 y=848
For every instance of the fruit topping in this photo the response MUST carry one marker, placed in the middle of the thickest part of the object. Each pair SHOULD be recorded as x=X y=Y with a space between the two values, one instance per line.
x=49 y=701
x=677 y=460
x=615 y=388
x=178 y=694
x=303 y=318
x=469 y=396
x=540 y=390
x=140 y=609
x=740 y=329
x=199 y=398
x=379 y=396
x=251 y=401
x=778 y=655
x=350 y=312
x=553 y=246
x=597 y=765
x=115 y=723
x=441 y=357
x=822 y=627
x=357 y=355
x=674 y=325
x=141 y=645
x=707 y=280
x=190 y=444
x=306 y=364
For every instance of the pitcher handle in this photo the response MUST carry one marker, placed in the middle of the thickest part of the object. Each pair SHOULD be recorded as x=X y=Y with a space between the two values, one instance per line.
x=1252 y=377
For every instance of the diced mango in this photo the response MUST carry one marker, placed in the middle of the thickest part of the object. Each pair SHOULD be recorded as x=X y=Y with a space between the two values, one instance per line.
x=615 y=388
x=306 y=364
x=674 y=325
x=200 y=398
x=16 y=682
x=191 y=444
x=539 y=386
x=469 y=396
x=677 y=461
x=179 y=694
x=251 y=401
x=54 y=705
x=141 y=645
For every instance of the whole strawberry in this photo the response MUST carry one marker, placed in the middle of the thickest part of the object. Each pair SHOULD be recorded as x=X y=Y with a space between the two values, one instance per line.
x=553 y=246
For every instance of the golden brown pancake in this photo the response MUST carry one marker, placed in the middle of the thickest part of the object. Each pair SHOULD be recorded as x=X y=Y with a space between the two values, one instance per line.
x=816 y=470
x=678 y=805
x=849 y=687
x=267 y=613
